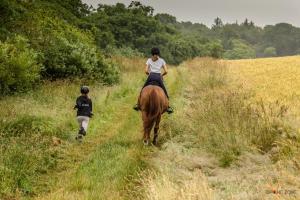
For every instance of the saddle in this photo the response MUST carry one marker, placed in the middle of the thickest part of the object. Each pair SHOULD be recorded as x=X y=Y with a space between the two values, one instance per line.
x=154 y=83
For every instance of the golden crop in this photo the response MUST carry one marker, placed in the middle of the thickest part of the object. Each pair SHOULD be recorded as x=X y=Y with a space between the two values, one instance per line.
x=272 y=79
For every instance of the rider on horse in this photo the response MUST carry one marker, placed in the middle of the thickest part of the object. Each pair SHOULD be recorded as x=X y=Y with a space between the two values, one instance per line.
x=153 y=70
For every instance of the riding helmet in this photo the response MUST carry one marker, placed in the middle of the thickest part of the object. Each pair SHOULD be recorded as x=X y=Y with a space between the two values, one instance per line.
x=155 y=51
x=84 y=89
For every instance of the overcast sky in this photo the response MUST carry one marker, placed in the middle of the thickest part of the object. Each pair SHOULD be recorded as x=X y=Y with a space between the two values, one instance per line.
x=262 y=12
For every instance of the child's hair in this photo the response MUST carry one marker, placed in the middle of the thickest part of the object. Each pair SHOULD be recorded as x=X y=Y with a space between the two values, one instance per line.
x=84 y=89
x=155 y=51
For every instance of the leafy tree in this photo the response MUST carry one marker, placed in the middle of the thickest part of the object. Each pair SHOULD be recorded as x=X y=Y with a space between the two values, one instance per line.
x=217 y=23
x=284 y=37
x=137 y=6
x=216 y=29
x=246 y=23
x=229 y=32
x=76 y=7
x=166 y=18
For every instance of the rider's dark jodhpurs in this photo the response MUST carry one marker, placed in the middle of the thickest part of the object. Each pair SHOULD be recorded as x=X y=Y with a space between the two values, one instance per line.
x=156 y=79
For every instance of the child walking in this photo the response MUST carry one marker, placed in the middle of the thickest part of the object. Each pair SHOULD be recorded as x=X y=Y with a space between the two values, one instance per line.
x=84 y=108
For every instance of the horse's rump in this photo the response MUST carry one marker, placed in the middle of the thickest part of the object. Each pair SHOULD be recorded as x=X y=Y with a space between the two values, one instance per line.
x=153 y=101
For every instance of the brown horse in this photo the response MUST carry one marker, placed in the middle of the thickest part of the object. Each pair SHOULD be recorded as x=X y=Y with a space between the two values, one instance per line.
x=153 y=103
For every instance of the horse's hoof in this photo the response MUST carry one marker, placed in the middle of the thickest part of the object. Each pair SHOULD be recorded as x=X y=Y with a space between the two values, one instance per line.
x=146 y=142
x=154 y=143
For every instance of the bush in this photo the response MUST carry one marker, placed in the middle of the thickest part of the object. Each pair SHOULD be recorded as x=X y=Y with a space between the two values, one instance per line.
x=68 y=51
x=19 y=68
x=239 y=50
x=107 y=71
x=64 y=58
x=215 y=49
x=270 y=52
x=4 y=34
x=179 y=50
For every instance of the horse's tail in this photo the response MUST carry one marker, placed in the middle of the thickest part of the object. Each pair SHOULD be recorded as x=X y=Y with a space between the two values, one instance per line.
x=154 y=108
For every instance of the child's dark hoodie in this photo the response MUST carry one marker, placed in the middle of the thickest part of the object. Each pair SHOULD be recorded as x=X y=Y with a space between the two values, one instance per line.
x=84 y=106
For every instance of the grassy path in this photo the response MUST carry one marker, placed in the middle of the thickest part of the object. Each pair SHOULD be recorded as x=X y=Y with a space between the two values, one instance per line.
x=112 y=153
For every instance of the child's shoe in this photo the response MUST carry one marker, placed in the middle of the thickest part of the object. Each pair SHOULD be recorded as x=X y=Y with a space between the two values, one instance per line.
x=79 y=138
x=82 y=132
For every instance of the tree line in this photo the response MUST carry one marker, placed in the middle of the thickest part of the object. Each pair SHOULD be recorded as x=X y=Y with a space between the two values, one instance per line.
x=51 y=39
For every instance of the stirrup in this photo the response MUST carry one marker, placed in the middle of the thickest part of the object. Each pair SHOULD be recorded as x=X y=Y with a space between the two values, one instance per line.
x=136 y=107
x=170 y=110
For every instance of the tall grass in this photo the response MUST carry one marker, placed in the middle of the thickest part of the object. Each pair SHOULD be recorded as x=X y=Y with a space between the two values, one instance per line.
x=31 y=128
x=223 y=116
x=37 y=129
x=164 y=186
x=219 y=128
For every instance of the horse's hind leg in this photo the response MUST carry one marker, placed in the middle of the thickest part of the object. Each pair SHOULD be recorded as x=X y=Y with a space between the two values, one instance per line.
x=156 y=128
x=147 y=129
x=146 y=135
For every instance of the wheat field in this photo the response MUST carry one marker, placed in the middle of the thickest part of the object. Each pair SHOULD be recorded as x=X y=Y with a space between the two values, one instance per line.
x=272 y=79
